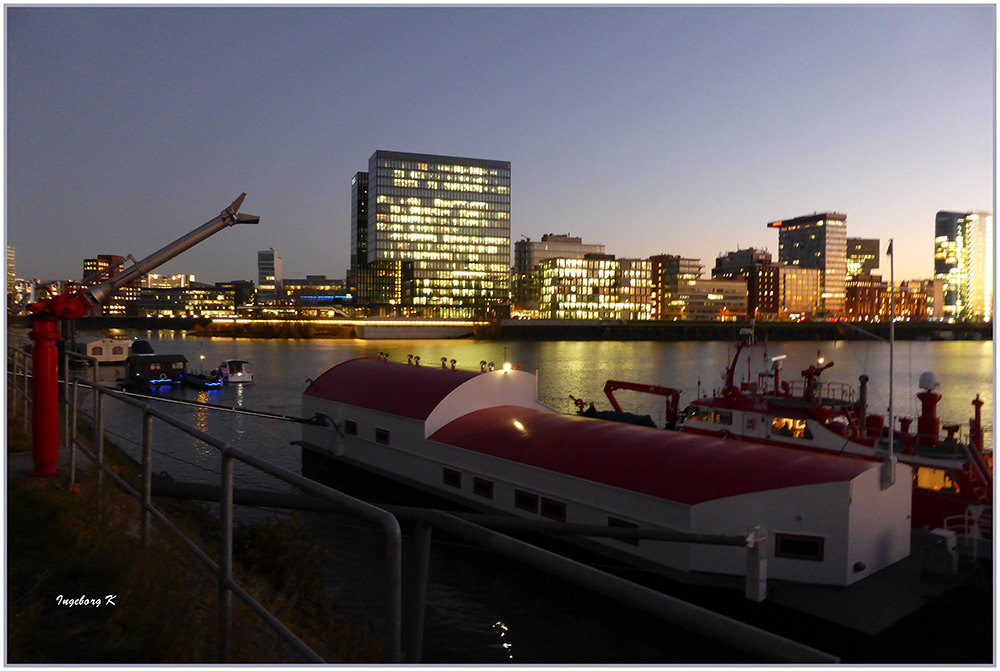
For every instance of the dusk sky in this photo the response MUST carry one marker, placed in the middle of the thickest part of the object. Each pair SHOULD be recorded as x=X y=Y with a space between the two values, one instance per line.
x=656 y=129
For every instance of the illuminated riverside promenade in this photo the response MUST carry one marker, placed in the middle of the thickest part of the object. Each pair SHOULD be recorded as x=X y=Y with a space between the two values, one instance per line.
x=518 y=329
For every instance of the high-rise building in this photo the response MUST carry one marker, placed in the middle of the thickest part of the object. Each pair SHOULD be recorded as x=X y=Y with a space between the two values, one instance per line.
x=438 y=236
x=525 y=276
x=125 y=300
x=359 y=227
x=862 y=257
x=818 y=241
x=268 y=276
x=11 y=273
x=963 y=263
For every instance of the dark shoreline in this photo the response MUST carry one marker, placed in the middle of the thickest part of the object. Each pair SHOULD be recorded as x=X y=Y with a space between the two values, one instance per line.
x=525 y=330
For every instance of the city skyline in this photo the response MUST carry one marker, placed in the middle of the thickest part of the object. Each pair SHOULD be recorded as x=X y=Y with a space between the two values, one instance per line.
x=628 y=127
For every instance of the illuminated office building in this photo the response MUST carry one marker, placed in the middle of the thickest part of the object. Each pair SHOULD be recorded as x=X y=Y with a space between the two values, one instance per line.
x=11 y=273
x=433 y=239
x=528 y=253
x=155 y=281
x=598 y=286
x=800 y=292
x=862 y=257
x=192 y=300
x=963 y=263
x=818 y=241
x=124 y=301
x=668 y=275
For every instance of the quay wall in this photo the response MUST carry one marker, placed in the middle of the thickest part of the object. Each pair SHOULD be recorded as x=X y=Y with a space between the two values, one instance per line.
x=728 y=331
x=539 y=330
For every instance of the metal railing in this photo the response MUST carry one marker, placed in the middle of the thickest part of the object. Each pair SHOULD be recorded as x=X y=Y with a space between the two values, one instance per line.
x=224 y=568
x=229 y=456
x=735 y=634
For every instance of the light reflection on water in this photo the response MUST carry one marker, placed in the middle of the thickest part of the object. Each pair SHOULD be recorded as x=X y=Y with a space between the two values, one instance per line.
x=481 y=609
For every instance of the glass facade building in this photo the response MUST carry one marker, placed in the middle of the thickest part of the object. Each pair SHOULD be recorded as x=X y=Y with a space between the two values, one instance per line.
x=528 y=253
x=124 y=301
x=963 y=263
x=434 y=240
x=597 y=286
x=818 y=241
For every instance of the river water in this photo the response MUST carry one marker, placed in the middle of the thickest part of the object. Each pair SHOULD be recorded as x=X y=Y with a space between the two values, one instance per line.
x=481 y=609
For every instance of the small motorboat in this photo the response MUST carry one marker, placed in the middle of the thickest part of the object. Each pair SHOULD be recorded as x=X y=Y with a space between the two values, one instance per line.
x=236 y=371
x=211 y=380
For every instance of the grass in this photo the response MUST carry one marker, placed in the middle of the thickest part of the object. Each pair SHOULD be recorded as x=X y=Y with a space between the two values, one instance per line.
x=67 y=542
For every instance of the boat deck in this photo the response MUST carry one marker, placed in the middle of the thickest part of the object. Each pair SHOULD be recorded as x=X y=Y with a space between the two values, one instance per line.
x=876 y=603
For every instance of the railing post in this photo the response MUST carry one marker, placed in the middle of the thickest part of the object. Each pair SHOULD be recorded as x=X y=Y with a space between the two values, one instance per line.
x=24 y=390
x=99 y=434
x=226 y=560
x=147 y=472
x=756 y=588
x=71 y=435
x=394 y=585
x=418 y=590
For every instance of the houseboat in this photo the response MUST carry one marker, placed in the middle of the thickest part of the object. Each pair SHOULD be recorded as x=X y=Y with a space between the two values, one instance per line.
x=483 y=440
x=150 y=371
x=107 y=351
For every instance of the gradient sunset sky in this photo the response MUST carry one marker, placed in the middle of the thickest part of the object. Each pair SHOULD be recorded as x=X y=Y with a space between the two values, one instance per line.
x=649 y=129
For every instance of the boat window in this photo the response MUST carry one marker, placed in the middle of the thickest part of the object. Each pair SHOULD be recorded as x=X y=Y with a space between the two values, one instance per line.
x=97 y=351
x=350 y=427
x=526 y=501
x=482 y=487
x=554 y=510
x=382 y=436
x=790 y=427
x=154 y=366
x=700 y=413
x=792 y=546
x=935 y=479
x=117 y=349
x=178 y=365
x=452 y=478
x=615 y=522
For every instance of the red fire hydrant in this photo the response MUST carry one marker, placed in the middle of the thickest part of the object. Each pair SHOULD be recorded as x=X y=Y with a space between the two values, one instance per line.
x=45 y=375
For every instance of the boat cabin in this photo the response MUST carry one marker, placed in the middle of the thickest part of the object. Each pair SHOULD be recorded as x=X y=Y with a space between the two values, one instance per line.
x=155 y=369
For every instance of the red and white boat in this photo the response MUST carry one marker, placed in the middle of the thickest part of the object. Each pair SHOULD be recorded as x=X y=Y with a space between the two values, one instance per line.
x=952 y=479
x=483 y=440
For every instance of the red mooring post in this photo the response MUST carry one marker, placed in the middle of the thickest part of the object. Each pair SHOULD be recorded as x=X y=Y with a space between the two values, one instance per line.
x=45 y=395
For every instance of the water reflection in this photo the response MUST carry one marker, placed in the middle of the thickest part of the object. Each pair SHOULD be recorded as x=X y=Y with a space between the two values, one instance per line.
x=504 y=644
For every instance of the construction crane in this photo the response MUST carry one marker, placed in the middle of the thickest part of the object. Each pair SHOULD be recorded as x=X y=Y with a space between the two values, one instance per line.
x=77 y=303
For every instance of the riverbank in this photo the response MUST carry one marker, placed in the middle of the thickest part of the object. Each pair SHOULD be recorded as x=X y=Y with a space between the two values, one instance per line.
x=81 y=590
x=539 y=330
